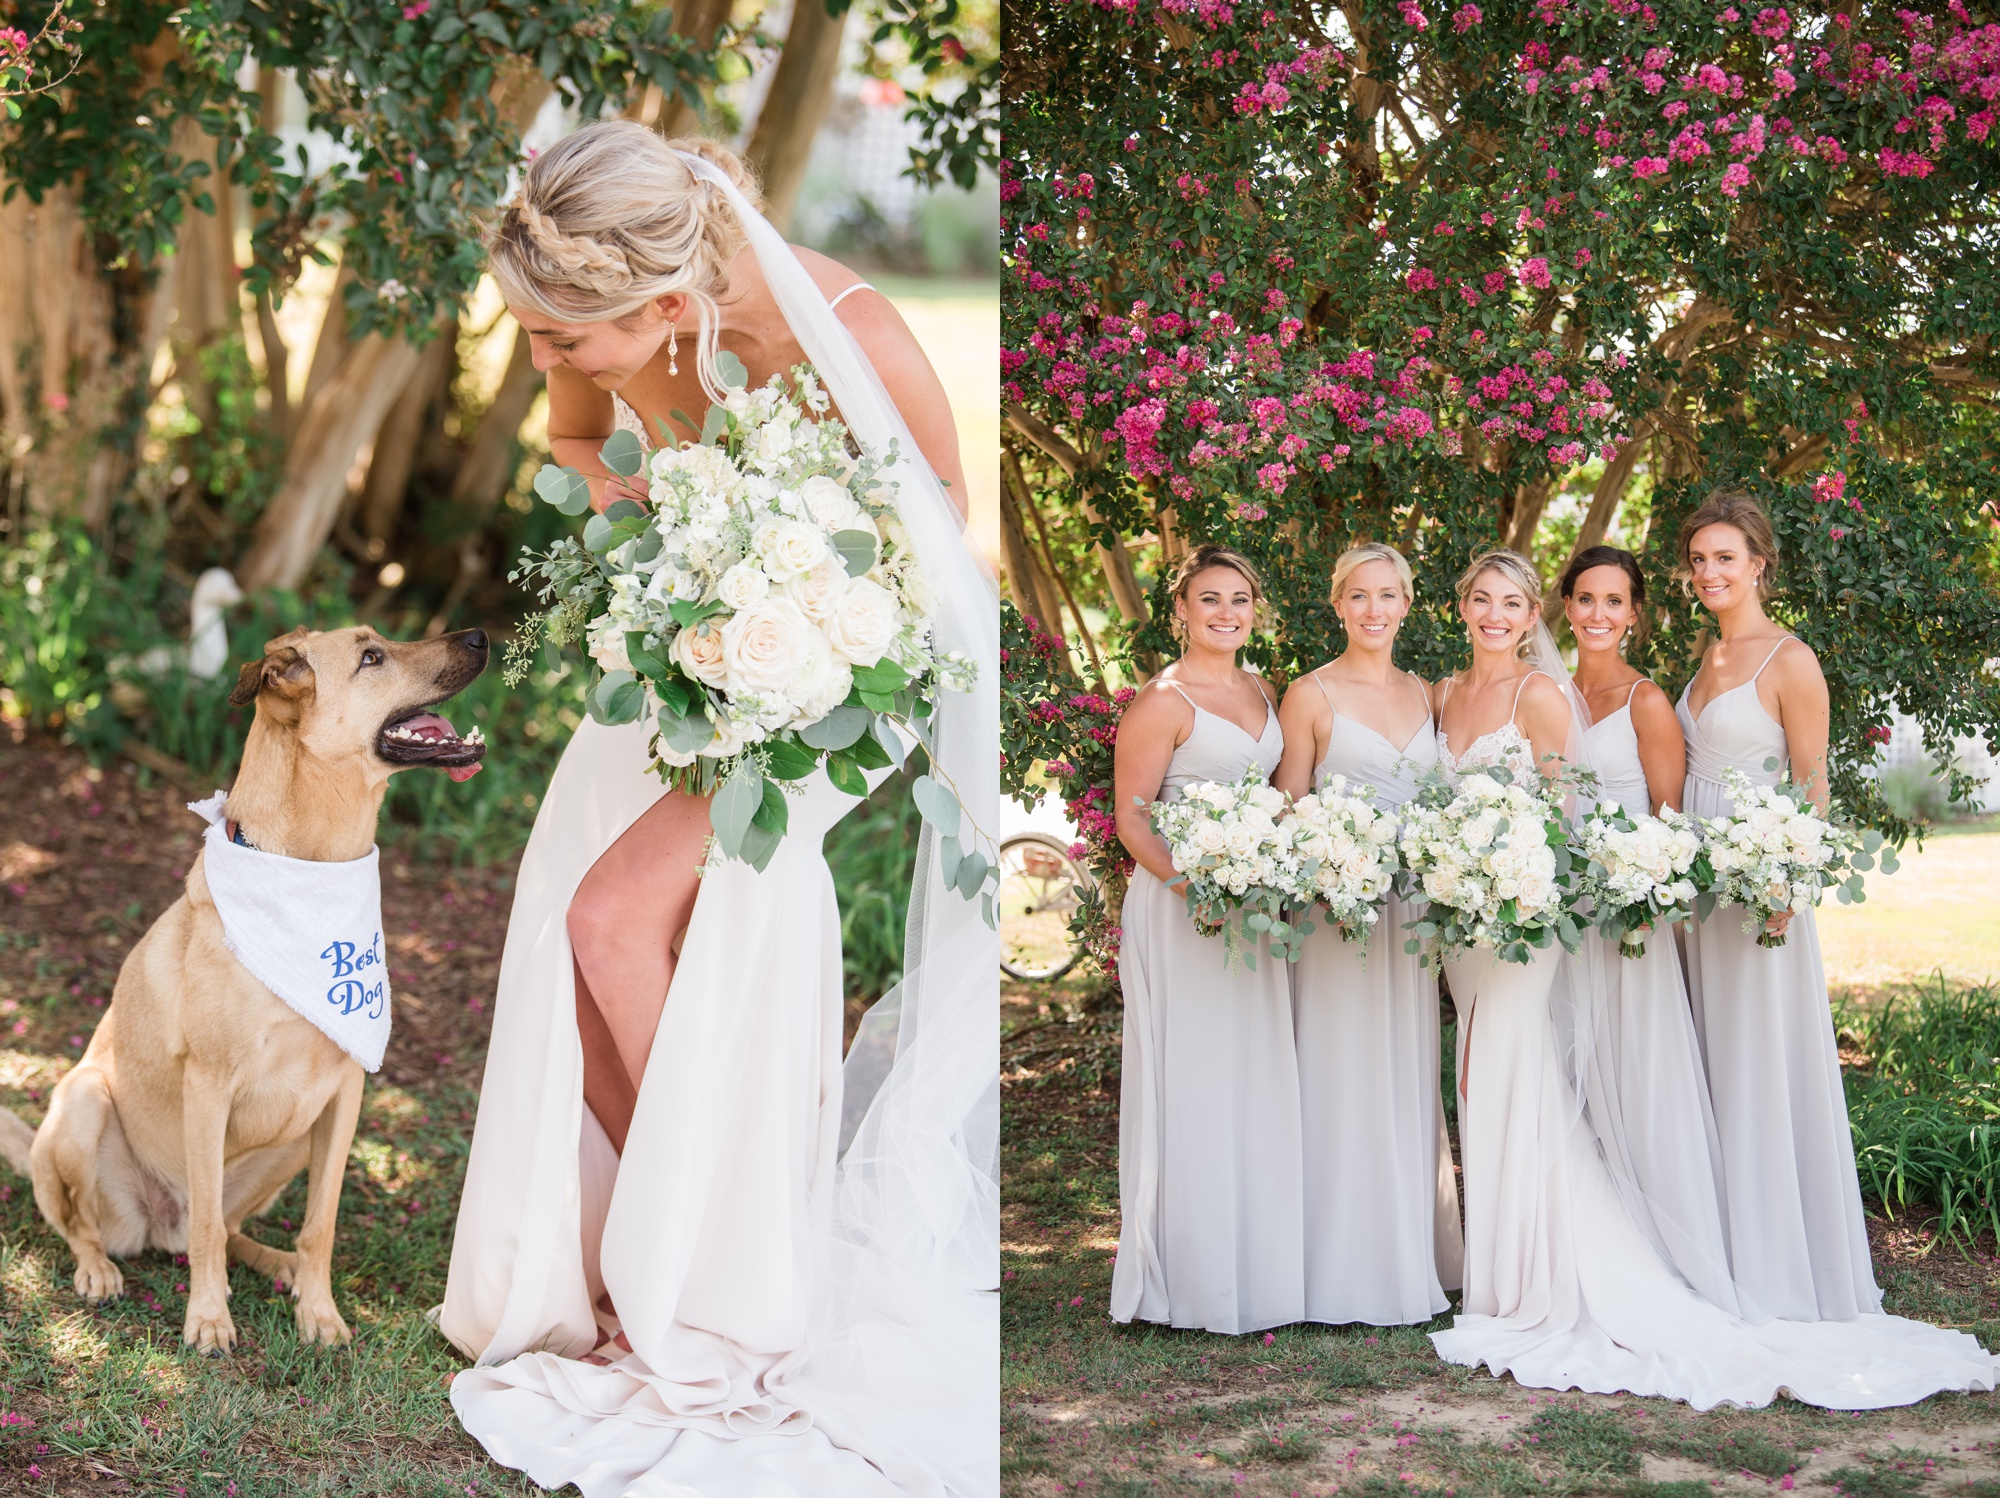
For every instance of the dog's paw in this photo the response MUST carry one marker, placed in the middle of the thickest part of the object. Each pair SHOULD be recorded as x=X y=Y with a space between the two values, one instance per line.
x=320 y=1322
x=209 y=1331
x=98 y=1279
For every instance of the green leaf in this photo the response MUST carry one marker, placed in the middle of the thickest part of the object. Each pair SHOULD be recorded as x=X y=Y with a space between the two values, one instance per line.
x=789 y=759
x=713 y=425
x=564 y=488
x=846 y=775
x=622 y=453
x=731 y=371
x=877 y=702
x=838 y=728
x=687 y=615
x=857 y=551
x=617 y=698
x=972 y=871
x=937 y=805
x=687 y=733
x=624 y=509
x=736 y=804
x=676 y=696
x=892 y=743
x=774 y=813
x=885 y=677
x=644 y=661
x=867 y=753
x=950 y=856
x=597 y=535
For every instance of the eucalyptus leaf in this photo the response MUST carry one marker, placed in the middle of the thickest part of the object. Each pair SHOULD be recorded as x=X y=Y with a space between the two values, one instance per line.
x=950 y=856
x=937 y=804
x=597 y=534
x=731 y=371
x=838 y=728
x=885 y=734
x=759 y=843
x=857 y=551
x=734 y=807
x=565 y=488
x=714 y=425
x=972 y=871
x=623 y=453
x=624 y=509
x=687 y=733
x=775 y=814
x=846 y=775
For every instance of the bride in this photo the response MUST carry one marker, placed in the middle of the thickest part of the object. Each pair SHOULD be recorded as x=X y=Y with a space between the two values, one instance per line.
x=696 y=1254
x=1562 y=1288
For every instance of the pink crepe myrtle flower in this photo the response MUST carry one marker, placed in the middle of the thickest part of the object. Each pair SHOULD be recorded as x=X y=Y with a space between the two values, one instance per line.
x=1649 y=166
x=1534 y=272
x=1583 y=256
x=417 y=8
x=1422 y=278
x=1465 y=18
x=1735 y=179
x=1413 y=15
x=1836 y=533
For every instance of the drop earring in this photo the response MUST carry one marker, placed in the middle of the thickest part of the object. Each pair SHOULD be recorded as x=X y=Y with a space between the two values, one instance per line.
x=674 y=349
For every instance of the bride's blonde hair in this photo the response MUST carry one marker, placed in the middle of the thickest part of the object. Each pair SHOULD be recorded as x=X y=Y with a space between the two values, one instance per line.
x=1517 y=570
x=612 y=217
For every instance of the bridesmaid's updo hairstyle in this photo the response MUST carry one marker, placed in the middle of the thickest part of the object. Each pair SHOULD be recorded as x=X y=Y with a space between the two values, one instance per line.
x=612 y=217
x=1371 y=551
x=1208 y=555
x=1610 y=556
x=1733 y=507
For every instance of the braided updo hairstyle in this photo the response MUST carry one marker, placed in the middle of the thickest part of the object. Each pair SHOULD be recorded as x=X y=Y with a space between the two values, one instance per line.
x=611 y=217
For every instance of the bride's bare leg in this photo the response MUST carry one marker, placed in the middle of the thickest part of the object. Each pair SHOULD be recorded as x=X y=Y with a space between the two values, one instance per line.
x=624 y=923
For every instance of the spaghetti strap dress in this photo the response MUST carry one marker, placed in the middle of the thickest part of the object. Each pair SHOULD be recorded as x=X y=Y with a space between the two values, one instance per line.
x=1209 y=1180
x=1382 y=1239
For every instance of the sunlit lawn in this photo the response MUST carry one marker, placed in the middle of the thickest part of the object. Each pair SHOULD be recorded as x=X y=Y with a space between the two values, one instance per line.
x=1940 y=910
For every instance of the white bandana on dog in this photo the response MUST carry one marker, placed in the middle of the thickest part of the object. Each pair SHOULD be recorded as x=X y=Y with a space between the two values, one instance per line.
x=310 y=932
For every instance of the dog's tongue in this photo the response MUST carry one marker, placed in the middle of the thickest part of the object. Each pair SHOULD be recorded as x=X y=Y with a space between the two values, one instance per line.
x=464 y=772
x=431 y=726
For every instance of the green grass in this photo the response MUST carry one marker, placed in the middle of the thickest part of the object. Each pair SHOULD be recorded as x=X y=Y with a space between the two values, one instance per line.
x=1316 y=1410
x=111 y=1387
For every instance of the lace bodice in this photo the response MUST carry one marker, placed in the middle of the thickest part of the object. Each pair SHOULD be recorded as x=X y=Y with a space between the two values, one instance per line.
x=1505 y=745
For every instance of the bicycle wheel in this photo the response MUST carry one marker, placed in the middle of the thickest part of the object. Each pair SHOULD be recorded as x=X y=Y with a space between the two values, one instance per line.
x=1040 y=889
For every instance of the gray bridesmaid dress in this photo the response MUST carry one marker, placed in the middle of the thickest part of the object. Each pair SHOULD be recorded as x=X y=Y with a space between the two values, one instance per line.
x=1792 y=1204
x=1381 y=1195
x=1209 y=1179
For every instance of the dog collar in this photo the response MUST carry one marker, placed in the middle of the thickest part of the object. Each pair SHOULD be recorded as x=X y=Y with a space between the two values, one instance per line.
x=235 y=831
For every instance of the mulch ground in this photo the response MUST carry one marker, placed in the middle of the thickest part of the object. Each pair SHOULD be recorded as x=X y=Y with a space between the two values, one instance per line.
x=89 y=858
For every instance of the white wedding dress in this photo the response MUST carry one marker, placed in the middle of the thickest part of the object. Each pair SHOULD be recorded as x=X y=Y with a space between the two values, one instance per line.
x=803 y=1257
x=1562 y=1288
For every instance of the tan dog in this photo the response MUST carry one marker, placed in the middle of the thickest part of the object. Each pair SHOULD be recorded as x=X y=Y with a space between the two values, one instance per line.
x=202 y=1094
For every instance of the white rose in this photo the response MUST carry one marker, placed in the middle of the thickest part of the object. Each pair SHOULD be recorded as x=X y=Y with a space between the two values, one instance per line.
x=1241 y=840
x=791 y=548
x=698 y=651
x=819 y=591
x=1537 y=890
x=764 y=646
x=1208 y=837
x=743 y=585
x=607 y=644
x=864 y=624
x=833 y=507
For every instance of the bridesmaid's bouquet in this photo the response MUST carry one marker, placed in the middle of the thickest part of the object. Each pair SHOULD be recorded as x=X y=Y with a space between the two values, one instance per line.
x=1345 y=848
x=1239 y=860
x=766 y=611
x=1491 y=857
x=1644 y=871
x=1775 y=853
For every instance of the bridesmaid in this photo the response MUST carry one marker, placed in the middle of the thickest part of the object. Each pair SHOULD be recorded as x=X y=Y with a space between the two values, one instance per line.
x=1209 y=1180
x=1382 y=1240
x=1792 y=1202
x=1649 y=1096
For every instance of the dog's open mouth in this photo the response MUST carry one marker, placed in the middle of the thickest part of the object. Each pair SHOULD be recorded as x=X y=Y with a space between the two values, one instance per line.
x=422 y=737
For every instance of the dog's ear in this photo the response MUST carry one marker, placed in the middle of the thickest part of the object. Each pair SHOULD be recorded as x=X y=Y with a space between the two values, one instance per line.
x=284 y=671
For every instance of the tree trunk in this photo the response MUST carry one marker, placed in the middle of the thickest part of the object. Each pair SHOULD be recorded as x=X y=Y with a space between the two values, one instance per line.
x=698 y=20
x=483 y=476
x=346 y=413
x=330 y=347
x=403 y=429
x=793 y=110
x=1034 y=594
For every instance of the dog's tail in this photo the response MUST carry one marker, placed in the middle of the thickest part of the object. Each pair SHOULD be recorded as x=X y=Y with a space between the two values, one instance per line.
x=16 y=1138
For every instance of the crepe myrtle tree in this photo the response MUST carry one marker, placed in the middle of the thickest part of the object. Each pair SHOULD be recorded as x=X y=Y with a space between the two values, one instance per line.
x=1311 y=274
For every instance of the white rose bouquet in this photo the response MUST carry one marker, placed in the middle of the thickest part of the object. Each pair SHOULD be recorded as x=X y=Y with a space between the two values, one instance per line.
x=1345 y=850
x=1239 y=862
x=1491 y=858
x=765 y=610
x=1776 y=853
x=1643 y=872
